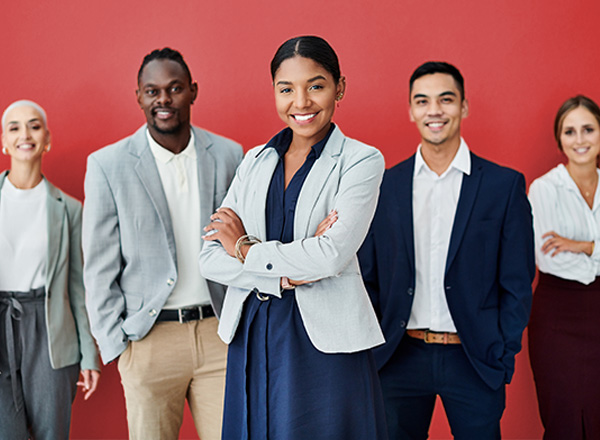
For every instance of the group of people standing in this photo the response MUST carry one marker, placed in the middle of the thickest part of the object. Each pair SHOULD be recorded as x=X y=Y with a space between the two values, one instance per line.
x=331 y=299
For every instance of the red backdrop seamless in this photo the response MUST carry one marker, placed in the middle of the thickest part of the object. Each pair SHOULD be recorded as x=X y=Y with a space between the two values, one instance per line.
x=521 y=59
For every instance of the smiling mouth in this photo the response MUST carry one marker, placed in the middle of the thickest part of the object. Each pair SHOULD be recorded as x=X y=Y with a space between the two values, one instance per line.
x=304 y=118
x=25 y=147
x=163 y=114
x=435 y=125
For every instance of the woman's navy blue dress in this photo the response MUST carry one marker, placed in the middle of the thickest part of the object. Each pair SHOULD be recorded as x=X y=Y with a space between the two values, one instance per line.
x=279 y=386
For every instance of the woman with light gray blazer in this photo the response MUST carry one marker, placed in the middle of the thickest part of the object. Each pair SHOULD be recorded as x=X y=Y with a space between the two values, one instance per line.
x=45 y=338
x=296 y=315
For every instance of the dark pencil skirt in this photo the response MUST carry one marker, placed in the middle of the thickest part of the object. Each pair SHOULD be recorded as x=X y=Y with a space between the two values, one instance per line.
x=279 y=387
x=564 y=348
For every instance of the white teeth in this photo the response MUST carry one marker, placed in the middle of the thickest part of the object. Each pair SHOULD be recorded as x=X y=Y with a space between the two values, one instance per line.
x=304 y=117
x=581 y=150
x=435 y=124
x=26 y=146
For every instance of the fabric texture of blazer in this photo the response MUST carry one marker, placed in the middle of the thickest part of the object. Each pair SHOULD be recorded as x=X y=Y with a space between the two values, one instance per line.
x=489 y=269
x=335 y=310
x=128 y=242
x=69 y=337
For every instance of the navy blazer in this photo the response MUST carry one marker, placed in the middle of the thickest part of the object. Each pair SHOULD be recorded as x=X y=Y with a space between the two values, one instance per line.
x=489 y=268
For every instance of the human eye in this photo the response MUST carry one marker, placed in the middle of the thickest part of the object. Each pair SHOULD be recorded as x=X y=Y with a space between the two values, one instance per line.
x=176 y=89
x=35 y=126
x=589 y=129
x=13 y=128
x=150 y=92
x=285 y=90
x=316 y=87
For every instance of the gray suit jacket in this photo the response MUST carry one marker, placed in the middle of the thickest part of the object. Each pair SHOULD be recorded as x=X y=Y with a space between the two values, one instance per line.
x=336 y=310
x=69 y=337
x=128 y=243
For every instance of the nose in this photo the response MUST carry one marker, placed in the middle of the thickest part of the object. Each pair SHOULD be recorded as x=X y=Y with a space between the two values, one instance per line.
x=579 y=138
x=163 y=97
x=301 y=100
x=434 y=108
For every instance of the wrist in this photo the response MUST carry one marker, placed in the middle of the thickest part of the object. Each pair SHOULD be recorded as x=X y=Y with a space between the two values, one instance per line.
x=242 y=246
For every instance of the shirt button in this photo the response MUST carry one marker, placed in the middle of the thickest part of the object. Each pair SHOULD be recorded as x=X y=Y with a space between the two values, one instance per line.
x=170 y=281
x=448 y=287
x=410 y=291
x=269 y=266
x=152 y=312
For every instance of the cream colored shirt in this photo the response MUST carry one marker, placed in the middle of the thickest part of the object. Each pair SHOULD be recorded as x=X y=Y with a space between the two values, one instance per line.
x=434 y=205
x=558 y=206
x=179 y=177
x=23 y=237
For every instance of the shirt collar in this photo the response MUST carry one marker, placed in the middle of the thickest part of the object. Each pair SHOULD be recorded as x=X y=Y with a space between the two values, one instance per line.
x=282 y=140
x=165 y=156
x=461 y=161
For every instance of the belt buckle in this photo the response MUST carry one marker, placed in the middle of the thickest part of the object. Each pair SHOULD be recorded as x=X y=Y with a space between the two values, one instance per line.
x=426 y=337
x=262 y=297
x=180 y=316
x=200 y=313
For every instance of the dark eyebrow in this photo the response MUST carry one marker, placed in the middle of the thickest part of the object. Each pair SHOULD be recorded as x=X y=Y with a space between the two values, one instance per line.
x=287 y=83
x=175 y=81
x=448 y=93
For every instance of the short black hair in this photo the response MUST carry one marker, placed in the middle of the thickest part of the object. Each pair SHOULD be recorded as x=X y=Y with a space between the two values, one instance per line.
x=311 y=47
x=431 y=67
x=165 y=54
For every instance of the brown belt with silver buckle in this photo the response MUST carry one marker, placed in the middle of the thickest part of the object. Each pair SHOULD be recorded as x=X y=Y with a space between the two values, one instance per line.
x=434 y=337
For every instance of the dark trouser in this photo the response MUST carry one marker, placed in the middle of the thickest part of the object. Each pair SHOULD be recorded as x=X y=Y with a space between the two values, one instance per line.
x=34 y=398
x=418 y=372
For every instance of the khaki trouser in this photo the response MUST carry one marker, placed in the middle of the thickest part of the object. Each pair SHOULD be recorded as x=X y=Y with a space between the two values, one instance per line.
x=175 y=362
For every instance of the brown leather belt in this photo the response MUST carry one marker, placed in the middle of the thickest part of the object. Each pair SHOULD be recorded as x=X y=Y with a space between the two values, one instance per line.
x=434 y=337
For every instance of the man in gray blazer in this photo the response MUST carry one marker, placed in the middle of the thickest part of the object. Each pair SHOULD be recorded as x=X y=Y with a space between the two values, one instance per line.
x=147 y=198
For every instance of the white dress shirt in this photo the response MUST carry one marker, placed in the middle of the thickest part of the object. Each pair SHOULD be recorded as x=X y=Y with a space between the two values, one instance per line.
x=179 y=177
x=558 y=206
x=23 y=237
x=434 y=205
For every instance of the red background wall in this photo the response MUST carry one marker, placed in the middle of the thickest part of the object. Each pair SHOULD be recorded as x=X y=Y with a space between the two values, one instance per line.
x=520 y=58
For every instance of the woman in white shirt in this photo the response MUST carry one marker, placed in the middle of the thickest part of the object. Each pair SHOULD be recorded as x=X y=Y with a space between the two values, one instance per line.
x=44 y=338
x=564 y=326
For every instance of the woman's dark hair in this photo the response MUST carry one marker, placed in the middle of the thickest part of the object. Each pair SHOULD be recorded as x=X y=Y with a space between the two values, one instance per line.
x=308 y=46
x=572 y=104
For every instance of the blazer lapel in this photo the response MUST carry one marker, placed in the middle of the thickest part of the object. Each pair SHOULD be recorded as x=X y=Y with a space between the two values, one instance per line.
x=468 y=193
x=269 y=159
x=148 y=174
x=404 y=207
x=315 y=182
x=56 y=209
x=206 y=175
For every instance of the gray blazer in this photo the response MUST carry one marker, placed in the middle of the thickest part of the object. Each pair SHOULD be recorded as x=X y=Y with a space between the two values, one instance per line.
x=128 y=243
x=336 y=310
x=69 y=337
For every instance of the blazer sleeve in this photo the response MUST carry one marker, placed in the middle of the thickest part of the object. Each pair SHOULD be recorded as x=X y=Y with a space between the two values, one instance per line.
x=320 y=257
x=516 y=270
x=102 y=268
x=568 y=265
x=87 y=346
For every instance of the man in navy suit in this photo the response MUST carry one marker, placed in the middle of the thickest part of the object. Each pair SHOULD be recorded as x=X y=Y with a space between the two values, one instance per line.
x=449 y=263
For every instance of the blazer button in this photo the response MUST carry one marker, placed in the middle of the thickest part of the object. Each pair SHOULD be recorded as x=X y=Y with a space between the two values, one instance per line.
x=410 y=291
x=152 y=312
x=170 y=281
x=448 y=287
x=402 y=324
x=269 y=266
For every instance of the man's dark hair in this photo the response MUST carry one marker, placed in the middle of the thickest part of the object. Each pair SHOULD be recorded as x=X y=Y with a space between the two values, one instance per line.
x=164 y=54
x=431 y=67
